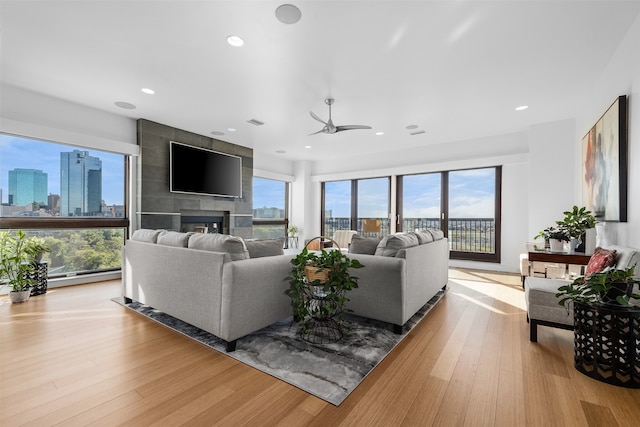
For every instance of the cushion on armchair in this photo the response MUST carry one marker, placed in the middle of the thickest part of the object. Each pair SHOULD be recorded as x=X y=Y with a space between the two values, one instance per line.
x=600 y=259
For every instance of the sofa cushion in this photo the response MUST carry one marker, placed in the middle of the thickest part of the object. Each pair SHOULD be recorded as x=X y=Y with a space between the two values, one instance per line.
x=600 y=259
x=437 y=234
x=173 y=238
x=264 y=248
x=146 y=235
x=232 y=245
x=423 y=236
x=363 y=245
x=392 y=243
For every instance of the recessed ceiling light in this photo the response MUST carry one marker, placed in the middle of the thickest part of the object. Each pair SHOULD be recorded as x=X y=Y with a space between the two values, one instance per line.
x=379 y=133
x=280 y=151
x=288 y=14
x=307 y=146
x=217 y=133
x=125 y=105
x=255 y=122
x=148 y=91
x=412 y=127
x=235 y=41
x=522 y=107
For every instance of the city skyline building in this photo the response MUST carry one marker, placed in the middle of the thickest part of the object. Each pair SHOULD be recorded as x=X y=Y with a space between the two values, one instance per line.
x=27 y=186
x=80 y=184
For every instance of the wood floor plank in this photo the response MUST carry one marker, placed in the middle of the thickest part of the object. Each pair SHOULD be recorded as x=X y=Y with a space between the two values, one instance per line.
x=73 y=357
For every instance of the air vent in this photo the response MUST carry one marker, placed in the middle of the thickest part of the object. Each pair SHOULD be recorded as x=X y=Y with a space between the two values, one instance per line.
x=418 y=132
x=255 y=122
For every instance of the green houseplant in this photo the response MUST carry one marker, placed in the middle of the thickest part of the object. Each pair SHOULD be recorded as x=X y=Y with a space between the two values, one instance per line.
x=16 y=256
x=577 y=221
x=608 y=286
x=319 y=282
x=39 y=247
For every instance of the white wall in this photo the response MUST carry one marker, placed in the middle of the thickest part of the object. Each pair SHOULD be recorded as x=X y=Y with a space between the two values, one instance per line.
x=621 y=77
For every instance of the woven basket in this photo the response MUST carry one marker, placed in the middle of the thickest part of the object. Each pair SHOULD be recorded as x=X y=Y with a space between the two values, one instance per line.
x=316 y=273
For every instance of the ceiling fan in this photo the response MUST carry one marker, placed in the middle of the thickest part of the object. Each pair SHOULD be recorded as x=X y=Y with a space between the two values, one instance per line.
x=329 y=127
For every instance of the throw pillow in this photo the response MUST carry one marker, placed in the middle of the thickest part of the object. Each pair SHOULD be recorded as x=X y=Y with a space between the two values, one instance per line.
x=146 y=235
x=600 y=259
x=264 y=248
x=173 y=238
x=363 y=245
x=232 y=245
x=391 y=244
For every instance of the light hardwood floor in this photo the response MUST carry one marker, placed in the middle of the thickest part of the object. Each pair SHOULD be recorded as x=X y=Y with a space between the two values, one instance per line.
x=73 y=357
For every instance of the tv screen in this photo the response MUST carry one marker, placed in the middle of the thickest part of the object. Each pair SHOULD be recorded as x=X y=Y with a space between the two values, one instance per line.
x=197 y=170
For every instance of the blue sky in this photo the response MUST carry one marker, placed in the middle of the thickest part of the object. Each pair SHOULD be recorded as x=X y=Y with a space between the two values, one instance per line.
x=24 y=153
x=471 y=195
x=268 y=193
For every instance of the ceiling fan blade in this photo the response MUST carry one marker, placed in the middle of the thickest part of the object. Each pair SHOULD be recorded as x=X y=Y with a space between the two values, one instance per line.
x=317 y=118
x=351 y=127
x=315 y=133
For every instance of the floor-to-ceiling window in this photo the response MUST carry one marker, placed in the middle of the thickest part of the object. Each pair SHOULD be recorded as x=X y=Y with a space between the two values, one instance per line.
x=465 y=204
x=336 y=206
x=372 y=203
x=71 y=196
x=270 y=208
x=359 y=204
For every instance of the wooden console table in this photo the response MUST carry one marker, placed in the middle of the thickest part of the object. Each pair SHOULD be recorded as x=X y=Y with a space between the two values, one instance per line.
x=560 y=258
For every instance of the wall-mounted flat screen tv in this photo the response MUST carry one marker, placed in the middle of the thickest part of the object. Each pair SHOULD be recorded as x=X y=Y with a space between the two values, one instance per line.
x=197 y=170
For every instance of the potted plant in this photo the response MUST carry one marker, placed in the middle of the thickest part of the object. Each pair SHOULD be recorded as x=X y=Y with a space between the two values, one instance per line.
x=555 y=236
x=609 y=286
x=16 y=256
x=576 y=222
x=292 y=230
x=319 y=282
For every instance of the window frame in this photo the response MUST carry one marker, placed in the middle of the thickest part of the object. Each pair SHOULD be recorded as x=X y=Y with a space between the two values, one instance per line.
x=272 y=221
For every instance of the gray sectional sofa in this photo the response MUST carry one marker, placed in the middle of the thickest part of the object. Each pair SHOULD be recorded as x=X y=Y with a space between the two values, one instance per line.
x=231 y=287
x=403 y=273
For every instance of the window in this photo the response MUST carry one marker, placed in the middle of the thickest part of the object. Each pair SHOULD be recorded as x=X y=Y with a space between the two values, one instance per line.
x=336 y=209
x=270 y=211
x=373 y=206
x=465 y=204
x=73 y=197
x=361 y=205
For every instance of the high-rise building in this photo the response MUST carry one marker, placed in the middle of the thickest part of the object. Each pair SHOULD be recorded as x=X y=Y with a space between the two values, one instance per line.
x=27 y=186
x=80 y=184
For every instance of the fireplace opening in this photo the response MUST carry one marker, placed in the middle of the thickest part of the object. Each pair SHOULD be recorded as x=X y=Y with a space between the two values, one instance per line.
x=202 y=224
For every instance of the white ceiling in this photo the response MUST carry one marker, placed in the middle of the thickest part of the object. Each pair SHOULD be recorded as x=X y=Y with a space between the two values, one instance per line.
x=456 y=69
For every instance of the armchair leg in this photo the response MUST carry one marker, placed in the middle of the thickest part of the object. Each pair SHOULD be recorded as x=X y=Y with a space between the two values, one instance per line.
x=397 y=329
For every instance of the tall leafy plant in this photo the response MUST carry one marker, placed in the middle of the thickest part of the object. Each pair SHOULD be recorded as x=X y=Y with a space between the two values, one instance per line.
x=16 y=256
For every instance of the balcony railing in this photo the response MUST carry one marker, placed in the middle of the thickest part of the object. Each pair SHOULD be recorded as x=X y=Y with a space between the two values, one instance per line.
x=475 y=235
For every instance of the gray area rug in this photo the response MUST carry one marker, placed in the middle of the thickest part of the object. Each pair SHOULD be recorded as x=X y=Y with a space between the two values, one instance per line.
x=328 y=371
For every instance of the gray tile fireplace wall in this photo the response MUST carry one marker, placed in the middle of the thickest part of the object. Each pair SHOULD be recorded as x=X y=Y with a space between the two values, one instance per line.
x=160 y=208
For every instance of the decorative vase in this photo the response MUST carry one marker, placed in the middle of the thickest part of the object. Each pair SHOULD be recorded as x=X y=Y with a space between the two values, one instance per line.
x=556 y=245
x=19 y=296
x=573 y=244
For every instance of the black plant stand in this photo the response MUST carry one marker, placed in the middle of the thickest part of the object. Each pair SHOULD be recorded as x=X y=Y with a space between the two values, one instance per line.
x=323 y=328
x=39 y=274
x=607 y=343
